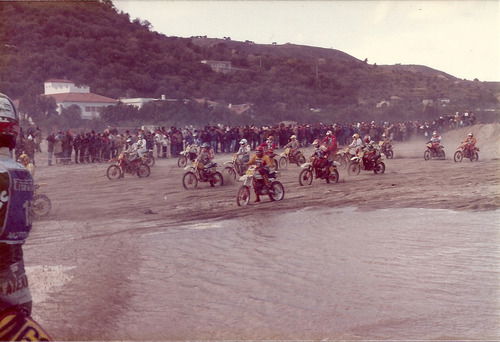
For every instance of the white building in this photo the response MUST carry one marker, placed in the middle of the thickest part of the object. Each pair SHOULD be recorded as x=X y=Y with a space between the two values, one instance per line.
x=66 y=93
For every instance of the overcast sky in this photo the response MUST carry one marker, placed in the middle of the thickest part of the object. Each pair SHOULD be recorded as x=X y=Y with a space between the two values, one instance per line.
x=461 y=38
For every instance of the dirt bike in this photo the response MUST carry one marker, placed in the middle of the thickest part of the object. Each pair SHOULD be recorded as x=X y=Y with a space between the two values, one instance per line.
x=41 y=204
x=195 y=174
x=124 y=165
x=286 y=158
x=343 y=157
x=328 y=172
x=368 y=161
x=253 y=179
x=434 y=151
x=149 y=158
x=189 y=154
x=386 y=149
x=464 y=152
x=235 y=167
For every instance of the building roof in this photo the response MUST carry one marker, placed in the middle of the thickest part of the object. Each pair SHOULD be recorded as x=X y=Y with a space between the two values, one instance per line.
x=57 y=80
x=81 y=97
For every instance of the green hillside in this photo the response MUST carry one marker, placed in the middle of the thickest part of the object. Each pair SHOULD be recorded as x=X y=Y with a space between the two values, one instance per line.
x=92 y=43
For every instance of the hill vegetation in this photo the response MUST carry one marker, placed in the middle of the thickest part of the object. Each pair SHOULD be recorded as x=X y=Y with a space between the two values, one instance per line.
x=92 y=43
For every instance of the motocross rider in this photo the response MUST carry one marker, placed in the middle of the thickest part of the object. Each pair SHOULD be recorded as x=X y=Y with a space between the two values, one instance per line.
x=369 y=150
x=137 y=149
x=16 y=194
x=26 y=162
x=206 y=156
x=319 y=157
x=269 y=146
x=293 y=145
x=243 y=153
x=330 y=141
x=469 y=143
x=263 y=162
x=436 y=141
x=356 y=144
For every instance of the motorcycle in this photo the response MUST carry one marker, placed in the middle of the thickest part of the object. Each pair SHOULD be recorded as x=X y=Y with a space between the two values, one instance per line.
x=434 y=151
x=235 y=167
x=253 y=179
x=328 y=172
x=195 y=174
x=368 y=161
x=386 y=149
x=464 y=152
x=343 y=157
x=189 y=154
x=41 y=204
x=149 y=158
x=123 y=165
x=286 y=158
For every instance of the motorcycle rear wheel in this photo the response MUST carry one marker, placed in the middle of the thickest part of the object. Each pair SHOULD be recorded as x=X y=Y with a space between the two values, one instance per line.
x=243 y=196
x=354 y=168
x=113 y=172
x=458 y=156
x=189 y=181
x=40 y=205
x=441 y=154
x=283 y=162
x=217 y=179
x=305 y=177
x=301 y=160
x=182 y=161
x=333 y=177
x=143 y=171
x=474 y=157
x=230 y=172
x=379 y=168
x=276 y=191
x=150 y=161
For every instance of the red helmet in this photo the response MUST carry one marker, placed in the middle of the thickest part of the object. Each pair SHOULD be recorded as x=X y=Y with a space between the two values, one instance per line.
x=9 y=122
x=259 y=151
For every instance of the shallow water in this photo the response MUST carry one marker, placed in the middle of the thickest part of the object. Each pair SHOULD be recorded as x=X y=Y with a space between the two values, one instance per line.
x=310 y=274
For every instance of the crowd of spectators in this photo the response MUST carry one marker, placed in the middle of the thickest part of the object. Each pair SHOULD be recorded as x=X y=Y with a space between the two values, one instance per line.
x=66 y=147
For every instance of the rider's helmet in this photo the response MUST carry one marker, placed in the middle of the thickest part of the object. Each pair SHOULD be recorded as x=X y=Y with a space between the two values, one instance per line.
x=315 y=143
x=24 y=159
x=128 y=141
x=355 y=136
x=259 y=151
x=243 y=142
x=329 y=133
x=205 y=145
x=435 y=134
x=367 y=139
x=9 y=123
x=470 y=135
x=383 y=135
x=293 y=137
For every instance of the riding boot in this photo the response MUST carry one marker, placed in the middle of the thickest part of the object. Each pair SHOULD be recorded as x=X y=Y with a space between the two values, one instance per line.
x=257 y=198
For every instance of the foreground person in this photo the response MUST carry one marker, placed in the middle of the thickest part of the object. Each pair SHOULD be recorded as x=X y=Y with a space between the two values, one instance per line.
x=263 y=163
x=16 y=194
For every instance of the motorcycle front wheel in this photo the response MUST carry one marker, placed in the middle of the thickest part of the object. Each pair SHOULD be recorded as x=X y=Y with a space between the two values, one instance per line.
x=389 y=154
x=277 y=191
x=427 y=155
x=379 y=168
x=283 y=163
x=182 y=161
x=143 y=171
x=189 y=181
x=458 y=156
x=113 y=172
x=354 y=168
x=305 y=177
x=40 y=205
x=243 y=196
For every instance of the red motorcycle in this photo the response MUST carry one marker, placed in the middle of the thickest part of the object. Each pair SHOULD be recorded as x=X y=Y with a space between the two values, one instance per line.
x=434 y=151
x=466 y=151
x=123 y=165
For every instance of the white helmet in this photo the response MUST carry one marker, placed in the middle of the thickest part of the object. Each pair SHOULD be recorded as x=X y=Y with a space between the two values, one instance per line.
x=243 y=142
x=329 y=133
x=470 y=134
x=293 y=137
